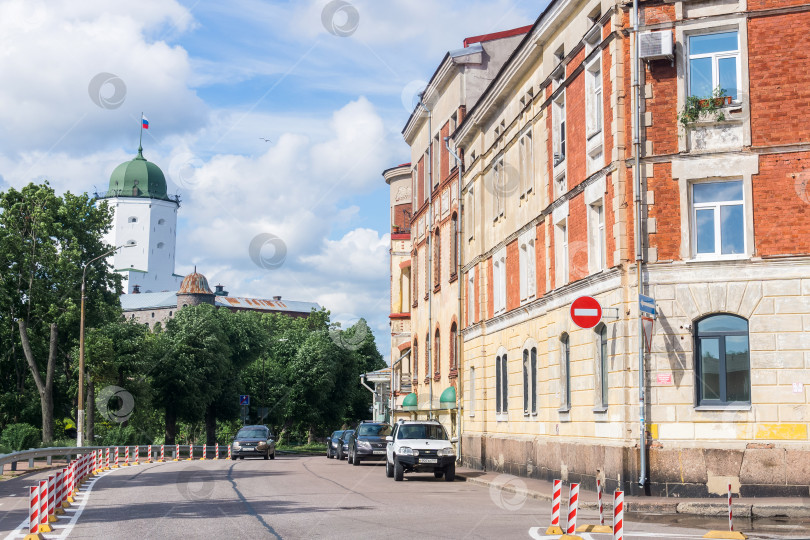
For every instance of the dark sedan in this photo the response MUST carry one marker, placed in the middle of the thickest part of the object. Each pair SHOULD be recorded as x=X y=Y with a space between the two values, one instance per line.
x=368 y=442
x=254 y=441
x=333 y=443
x=343 y=449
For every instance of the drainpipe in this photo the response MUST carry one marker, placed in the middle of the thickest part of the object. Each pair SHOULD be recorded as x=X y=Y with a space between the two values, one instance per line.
x=373 y=392
x=429 y=247
x=459 y=236
x=639 y=245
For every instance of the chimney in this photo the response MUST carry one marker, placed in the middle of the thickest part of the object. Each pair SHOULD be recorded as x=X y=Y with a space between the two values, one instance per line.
x=136 y=289
x=219 y=290
x=277 y=298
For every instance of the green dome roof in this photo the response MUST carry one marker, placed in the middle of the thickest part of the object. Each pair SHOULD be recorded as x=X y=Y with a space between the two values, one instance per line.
x=448 y=398
x=138 y=178
x=409 y=403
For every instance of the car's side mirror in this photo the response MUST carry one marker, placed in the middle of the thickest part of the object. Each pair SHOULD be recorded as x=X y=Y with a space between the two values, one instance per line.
x=454 y=440
x=389 y=438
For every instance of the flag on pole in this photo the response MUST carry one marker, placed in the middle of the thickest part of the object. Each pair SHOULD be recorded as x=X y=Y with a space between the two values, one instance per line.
x=144 y=122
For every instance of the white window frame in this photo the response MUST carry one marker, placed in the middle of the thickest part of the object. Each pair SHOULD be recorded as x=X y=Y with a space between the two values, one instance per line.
x=594 y=98
x=716 y=206
x=471 y=297
x=560 y=133
x=498 y=196
x=528 y=267
x=597 y=237
x=715 y=57
x=565 y=373
x=501 y=384
x=499 y=281
x=526 y=156
x=561 y=263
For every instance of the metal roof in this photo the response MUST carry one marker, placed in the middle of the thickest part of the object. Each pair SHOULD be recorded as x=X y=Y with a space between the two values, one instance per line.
x=168 y=299
x=150 y=300
x=262 y=304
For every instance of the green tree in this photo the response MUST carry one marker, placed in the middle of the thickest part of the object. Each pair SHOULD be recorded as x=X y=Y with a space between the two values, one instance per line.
x=44 y=241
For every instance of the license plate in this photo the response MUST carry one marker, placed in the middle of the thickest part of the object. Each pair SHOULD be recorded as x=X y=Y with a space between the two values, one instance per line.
x=379 y=451
x=428 y=460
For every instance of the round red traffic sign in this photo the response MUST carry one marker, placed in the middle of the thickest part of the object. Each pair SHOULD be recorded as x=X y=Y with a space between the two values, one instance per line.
x=586 y=312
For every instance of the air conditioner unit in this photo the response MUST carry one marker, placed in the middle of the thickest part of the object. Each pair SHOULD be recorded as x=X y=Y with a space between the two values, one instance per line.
x=655 y=45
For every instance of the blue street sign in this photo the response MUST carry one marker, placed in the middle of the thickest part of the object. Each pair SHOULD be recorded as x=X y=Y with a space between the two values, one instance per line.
x=244 y=400
x=646 y=304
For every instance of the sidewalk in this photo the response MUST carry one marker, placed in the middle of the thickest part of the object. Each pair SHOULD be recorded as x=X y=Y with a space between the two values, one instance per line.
x=764 y=507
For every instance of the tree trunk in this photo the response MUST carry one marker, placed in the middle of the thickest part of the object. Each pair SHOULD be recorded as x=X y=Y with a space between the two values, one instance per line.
x=171 y=426
x=90 y=416
x=45 y=389
x=211 y=425
x=311 y=435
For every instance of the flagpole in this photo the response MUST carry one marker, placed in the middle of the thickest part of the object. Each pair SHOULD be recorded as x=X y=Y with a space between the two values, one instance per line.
x=140 y=138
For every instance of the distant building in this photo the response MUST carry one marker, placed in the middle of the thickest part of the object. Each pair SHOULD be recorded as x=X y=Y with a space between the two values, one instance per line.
x=145 y=218
x=158 y=307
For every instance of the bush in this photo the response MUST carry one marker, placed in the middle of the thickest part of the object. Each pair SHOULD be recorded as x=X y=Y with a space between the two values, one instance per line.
x=20 y=437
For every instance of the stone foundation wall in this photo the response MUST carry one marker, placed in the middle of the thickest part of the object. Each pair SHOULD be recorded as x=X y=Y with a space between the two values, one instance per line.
x=759 y=470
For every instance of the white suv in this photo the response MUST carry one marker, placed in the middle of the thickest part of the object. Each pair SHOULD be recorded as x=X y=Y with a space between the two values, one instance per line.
x=420 y=447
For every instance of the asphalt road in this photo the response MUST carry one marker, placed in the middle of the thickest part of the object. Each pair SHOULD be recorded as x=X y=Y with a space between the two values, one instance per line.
x=301 y=497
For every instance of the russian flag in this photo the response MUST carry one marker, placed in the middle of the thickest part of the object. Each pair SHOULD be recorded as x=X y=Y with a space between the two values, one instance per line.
x=144 y=122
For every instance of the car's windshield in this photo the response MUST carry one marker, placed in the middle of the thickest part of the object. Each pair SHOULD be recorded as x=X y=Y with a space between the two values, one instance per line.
x=251 y=433
x=374 y=430
x=337 y=434
x=347 y=434
x=422 y=431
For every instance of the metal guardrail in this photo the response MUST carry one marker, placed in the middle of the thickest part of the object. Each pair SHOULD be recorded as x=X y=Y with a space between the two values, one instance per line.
x=67 y=451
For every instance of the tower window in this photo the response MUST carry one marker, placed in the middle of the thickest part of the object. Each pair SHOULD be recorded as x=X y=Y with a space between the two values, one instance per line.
x=132 y=219
x=161 y=221
x=160 y=245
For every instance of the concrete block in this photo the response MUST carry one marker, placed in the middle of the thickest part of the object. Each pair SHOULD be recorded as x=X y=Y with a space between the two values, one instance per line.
x=717 y=295
x=683 y=295
x=751 y=297
x=762 y=342
x=734 y=295
x=765 y=306
x=767 y=412
x=776 y=323
x=715 y=431
x=676 y=431
x=806 y=287
x=763 y=466
x=700 y=292
x=791 y=304
x=775 y=394
x=723 y=462
x=793 y=341
x=782 y=287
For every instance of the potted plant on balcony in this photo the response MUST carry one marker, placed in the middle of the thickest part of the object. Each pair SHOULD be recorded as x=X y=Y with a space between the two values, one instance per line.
x=711 y=106
x=395 y=229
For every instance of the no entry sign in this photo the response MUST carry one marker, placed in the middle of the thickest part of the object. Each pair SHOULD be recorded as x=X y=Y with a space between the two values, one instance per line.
x=586 y=312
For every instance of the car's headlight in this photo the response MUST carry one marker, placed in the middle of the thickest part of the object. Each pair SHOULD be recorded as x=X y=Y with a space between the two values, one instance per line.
x=446 y=452
x=408 y=451
x=236 y=445
x=262 y=445
x=363 y=444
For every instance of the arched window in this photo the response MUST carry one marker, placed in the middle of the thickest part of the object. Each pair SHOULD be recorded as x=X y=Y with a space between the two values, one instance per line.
x=415 y=362
x=565 y=373
x=161 y=221
x=723 y=366
x=437 y=355
x=453 y=245
x=602 y=365
x=530 y=381
x=501 y=385
x=160 y=245
x=437 y=254
x=132 y=219
x=453 y=347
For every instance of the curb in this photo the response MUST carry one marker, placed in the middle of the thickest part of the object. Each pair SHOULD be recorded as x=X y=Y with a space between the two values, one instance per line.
x=693 y=508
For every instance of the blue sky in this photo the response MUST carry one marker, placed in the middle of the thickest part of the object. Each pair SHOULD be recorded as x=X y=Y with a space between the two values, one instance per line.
x=213 y=78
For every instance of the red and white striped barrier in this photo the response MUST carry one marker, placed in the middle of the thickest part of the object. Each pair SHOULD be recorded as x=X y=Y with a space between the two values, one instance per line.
x=33 y=510
x=51 y=498
x=44 y=526
x=618 y=515
x=137 y=454
x=730 y=517
x=216 y=451
x=177 y=452
x=556 y=499
x=229 y=451
x=149 y=454
x=162 y=452
x=116 y=458
x=63 y=485
x=190 y=452
x=599 y=499
x=126 y=457
x=107 y=459
x=205 y=447
x=573 y=504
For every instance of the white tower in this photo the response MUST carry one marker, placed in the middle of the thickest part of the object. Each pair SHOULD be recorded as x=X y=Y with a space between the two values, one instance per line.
x=144 y=215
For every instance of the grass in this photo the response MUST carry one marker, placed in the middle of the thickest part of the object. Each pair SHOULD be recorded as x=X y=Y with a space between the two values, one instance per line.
x=314 y=448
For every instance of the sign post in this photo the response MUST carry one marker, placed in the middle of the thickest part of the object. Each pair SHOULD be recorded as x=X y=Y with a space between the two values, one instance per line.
x=586 y=312
x=244 y=403
x=646 y=310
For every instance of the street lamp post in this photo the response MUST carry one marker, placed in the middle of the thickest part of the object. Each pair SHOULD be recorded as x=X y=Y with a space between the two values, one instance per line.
x=80 y=414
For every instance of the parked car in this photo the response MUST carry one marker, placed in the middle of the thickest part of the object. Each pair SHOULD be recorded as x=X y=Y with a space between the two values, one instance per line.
x=420 y=447
x=254 y=441
x=333 y=443
x=368 y=442
x=343 y=447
